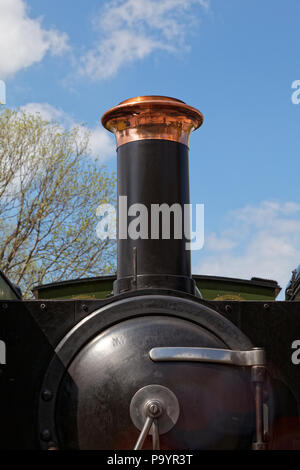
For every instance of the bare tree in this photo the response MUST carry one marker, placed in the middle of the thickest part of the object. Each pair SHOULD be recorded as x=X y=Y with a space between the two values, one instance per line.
x=49 y=193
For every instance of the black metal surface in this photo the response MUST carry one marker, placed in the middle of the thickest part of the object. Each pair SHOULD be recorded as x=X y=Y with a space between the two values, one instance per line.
x=29 y=349
x=154 y=172
x=216 y=404
x=274 y=326
x=115 y=311
x=31 y=334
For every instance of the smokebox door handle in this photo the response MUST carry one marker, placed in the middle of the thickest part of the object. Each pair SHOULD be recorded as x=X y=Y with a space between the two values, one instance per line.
x=252 y=357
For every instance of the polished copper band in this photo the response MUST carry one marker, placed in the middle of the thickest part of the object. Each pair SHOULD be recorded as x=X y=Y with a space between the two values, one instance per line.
x=152 y=117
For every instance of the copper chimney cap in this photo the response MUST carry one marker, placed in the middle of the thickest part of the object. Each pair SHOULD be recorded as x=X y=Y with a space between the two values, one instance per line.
x=152 y=117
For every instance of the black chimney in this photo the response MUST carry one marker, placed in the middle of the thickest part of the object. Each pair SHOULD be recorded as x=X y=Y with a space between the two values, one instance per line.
x=152 y=134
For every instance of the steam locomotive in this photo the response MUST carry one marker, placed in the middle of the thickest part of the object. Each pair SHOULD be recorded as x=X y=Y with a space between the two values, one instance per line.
x=154 y=366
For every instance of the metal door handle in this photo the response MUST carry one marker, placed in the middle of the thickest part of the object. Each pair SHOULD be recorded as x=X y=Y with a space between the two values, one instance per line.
x=252 y=357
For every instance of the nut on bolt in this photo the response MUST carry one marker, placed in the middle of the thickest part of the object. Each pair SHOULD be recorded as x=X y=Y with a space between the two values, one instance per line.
x=154 y=409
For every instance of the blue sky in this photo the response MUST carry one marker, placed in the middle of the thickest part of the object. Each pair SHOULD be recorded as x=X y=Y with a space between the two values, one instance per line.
x=234 y=60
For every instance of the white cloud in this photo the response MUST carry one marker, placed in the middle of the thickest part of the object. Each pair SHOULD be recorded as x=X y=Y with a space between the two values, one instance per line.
x=47 y=112
x=114 y=52
x=23 y=41
x=101 y=145
x=217 y=243
x=133 y=29
x=259 y=241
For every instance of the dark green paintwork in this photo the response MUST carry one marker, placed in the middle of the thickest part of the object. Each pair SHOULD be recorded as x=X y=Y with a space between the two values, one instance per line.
x=211 y=288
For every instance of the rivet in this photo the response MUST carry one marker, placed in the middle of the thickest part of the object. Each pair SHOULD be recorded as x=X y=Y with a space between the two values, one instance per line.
x=47 y=395
x=46 y=435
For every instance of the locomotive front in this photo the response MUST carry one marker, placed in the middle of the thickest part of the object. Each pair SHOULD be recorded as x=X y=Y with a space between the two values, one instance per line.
x=154 y=367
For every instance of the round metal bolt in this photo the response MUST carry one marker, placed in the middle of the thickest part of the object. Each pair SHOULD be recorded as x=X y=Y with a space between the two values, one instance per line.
x=46 y=435
x=4 y=306
x=266 y=306
x=85 y=308
x=43 y=307
x=154 y=409
x=228 y=309
x=47 y=395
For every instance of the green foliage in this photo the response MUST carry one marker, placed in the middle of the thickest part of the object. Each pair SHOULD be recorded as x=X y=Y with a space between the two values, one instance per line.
x=49 y=193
